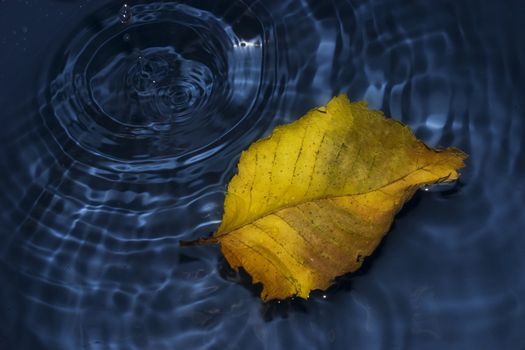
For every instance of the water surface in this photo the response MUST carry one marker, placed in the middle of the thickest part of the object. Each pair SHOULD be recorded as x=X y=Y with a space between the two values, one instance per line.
x=121 y=127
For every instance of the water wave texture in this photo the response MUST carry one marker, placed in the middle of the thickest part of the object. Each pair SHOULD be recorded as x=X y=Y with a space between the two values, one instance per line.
x=134 y=133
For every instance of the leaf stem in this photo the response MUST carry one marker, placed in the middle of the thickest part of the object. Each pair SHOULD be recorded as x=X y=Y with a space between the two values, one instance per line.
x=200 y=241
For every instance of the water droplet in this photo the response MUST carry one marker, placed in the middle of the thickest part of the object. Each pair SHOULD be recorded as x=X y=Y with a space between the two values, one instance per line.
x=124 y=14
x=126 y=37
x=440 y=187
x=324 y=296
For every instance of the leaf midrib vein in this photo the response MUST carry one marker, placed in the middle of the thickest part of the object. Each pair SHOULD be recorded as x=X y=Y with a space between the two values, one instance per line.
x=331 y=197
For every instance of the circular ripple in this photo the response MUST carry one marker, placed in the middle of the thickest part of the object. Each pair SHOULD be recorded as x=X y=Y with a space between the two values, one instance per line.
x=172 y=81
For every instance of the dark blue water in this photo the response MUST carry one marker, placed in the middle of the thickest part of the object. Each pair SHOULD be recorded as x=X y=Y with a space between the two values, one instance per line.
x=121 y=127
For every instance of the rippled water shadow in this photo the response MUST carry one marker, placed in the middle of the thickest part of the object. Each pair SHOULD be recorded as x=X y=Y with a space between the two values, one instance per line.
x=343 y=284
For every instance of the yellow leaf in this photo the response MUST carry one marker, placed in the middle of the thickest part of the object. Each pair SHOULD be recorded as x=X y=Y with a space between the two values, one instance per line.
x=316 y=197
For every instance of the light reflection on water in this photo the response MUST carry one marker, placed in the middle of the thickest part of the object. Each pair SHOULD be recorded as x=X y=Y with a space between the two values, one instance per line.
x=135 y=132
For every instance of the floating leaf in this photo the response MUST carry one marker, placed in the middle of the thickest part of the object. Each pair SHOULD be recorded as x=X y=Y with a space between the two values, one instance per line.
x=316 y=197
